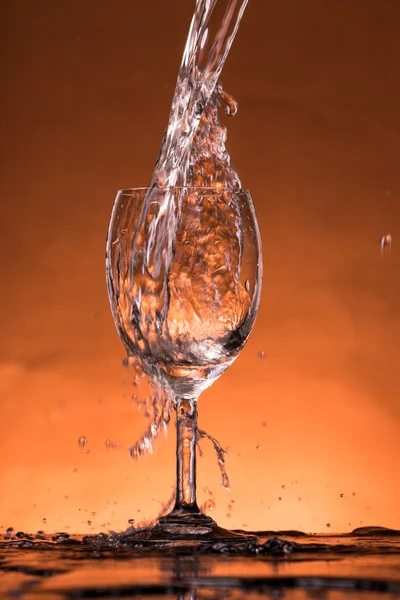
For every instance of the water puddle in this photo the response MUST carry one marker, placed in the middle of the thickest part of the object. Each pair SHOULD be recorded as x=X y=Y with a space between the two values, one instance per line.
x=364 y=564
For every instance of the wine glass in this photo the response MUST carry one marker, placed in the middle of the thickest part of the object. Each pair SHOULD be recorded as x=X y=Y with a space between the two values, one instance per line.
x=184 y=271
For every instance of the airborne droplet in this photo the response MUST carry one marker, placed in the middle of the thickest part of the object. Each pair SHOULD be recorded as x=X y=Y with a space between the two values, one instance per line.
x=386 y=244
x=386 y=240
x=82 y=441
x=228 y=103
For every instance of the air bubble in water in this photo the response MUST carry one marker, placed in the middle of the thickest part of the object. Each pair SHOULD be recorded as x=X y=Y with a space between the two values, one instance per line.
x=82 y=441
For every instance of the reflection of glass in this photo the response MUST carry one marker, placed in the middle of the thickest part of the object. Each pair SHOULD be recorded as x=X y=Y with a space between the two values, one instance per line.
x=184 y=297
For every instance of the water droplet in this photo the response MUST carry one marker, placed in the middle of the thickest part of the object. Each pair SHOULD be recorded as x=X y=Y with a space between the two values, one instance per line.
x=341 y=495
x=224 y=481
x=93 y=514
x=89 y=523
x=75 y=470
x=228 y=103
x=262 y=354
x=386 y=241
x=279 y=498
x=66 y=497
x=247 y=286
x=353 y=494
x=283 y=486
x=328 y=524
x=60 y=537
x=264 y=424
x=258 y=447
x=87 y=451
x=44 y=520
x=108 y=443
x=10 y=531
x=131 y=521
x=82 y=441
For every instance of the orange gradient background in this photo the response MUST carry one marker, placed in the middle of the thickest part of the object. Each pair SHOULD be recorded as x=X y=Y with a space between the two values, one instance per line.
x=86 y=92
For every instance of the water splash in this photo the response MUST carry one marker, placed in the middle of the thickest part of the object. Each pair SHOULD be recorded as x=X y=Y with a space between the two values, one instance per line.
x=157 y=410
x=192 y=154
x=220 y=452
x=193 y=149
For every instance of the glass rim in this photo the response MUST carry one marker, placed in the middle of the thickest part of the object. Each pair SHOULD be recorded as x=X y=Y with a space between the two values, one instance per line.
x=214 y=189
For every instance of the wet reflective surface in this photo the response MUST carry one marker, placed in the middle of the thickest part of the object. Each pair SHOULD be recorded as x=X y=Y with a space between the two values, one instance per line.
x=293 y=566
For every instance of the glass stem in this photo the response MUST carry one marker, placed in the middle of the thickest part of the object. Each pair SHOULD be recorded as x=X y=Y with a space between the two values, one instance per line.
x=186 y=430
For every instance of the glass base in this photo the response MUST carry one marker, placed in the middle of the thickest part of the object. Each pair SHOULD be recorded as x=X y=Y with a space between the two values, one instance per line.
x=191 y=530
